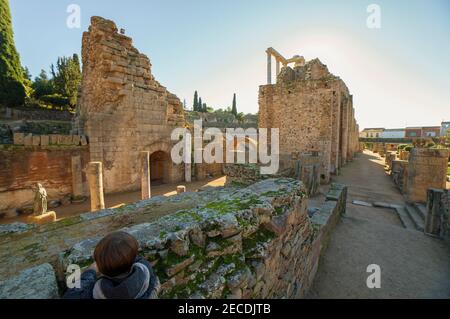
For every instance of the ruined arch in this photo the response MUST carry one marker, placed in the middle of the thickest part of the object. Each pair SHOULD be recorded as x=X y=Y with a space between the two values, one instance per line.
x=161 y=165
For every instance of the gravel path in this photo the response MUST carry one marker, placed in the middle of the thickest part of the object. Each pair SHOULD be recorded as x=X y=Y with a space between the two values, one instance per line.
x=413 y=265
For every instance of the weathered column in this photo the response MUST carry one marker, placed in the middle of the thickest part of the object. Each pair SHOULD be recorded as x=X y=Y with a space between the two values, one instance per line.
x=77 y=177
x=434 y=211
x=95 y=178
x=188 y=172
x=269 y=68
x=145 y=175
x=278 y=67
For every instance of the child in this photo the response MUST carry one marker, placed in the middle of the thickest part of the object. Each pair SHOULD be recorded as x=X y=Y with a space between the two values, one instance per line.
x=123 y=274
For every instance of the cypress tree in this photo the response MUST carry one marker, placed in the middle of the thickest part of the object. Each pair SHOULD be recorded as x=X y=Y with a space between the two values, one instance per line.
x=12 y=87
x=200 y=105
x=195 y=102
x=234 y=108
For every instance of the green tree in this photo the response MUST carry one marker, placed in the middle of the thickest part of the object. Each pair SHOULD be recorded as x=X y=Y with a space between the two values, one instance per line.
x=67 y=77
x=204 y=108
x=200 y=104
x=42 y=85
x=12 y=86
x=195 y=107
x=234 y=108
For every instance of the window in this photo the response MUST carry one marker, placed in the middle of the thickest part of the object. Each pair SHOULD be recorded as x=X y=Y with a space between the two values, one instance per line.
x=413 y=134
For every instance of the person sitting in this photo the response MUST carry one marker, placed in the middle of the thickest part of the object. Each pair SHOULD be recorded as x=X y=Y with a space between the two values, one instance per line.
x=123 y=275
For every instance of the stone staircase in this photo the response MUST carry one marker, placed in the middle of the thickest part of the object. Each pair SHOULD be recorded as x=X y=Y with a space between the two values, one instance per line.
x=412 y=216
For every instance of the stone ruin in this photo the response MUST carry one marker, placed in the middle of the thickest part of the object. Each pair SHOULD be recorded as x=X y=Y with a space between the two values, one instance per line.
x=124 y=110
x=314 y=111
x=424 y=169
x=254 y=238
x=236 y=242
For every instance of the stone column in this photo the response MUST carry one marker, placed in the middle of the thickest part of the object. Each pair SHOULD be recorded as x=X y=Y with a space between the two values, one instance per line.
x=145 y=175
x=278 y=67
x=269 y=68
x=77 y=177
x=188 y=172
x=434 y=211
x=95 y=178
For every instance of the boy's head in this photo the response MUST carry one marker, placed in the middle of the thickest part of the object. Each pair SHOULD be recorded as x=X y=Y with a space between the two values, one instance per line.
x=116 y=253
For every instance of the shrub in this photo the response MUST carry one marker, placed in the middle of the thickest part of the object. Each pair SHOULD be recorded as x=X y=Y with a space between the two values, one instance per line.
x=401 y=146
x=408 y=148
x=55 y=100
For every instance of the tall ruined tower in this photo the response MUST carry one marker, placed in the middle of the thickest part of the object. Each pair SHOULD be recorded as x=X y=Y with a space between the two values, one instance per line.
x=122 y=108
x=314 y=111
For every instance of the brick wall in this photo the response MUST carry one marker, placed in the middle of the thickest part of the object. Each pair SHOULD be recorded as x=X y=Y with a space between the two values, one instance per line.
x=22 y=167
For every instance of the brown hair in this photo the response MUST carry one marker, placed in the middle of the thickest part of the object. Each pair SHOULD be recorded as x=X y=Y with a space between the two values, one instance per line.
x=116 y=253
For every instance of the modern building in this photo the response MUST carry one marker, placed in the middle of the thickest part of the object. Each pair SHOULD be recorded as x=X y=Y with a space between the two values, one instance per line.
x=372 y=132
x=431 y=131
x=413 y=132
x=445 y=128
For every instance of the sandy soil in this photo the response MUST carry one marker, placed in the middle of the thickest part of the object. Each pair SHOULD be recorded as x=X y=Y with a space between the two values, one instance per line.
x=413 y=265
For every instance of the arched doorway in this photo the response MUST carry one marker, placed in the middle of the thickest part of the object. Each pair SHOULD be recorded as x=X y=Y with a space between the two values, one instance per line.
x=160 y=168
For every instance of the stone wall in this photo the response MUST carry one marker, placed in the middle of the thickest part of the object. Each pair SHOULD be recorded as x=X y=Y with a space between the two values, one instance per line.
x=254 y=242
x=437 y=219
x=34 y=113
x=399 y=174
x=123 y=109
x=22 y=167
x=314 y=111
x=427 y=169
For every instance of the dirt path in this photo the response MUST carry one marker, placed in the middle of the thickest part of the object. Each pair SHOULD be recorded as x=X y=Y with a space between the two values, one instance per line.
x=413 y=265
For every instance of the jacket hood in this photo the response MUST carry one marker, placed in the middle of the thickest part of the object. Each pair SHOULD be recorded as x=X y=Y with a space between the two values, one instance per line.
x=131 y=286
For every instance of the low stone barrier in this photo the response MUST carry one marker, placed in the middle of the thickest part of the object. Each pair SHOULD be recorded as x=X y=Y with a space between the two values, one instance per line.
x=253 y=242
x=427 y=169
x=46 y=140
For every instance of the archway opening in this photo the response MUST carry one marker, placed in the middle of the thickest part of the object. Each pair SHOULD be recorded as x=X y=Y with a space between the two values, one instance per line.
x=160 y=164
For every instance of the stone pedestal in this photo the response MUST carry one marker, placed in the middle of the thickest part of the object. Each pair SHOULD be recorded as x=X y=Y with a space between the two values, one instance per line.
x=77 y=177
x=427 y=169
x=95 y=178
x=181 y=189
x=145 y=175
x=48 y=217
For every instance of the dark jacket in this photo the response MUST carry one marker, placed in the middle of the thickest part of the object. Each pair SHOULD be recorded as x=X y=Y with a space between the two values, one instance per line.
x=140 y=283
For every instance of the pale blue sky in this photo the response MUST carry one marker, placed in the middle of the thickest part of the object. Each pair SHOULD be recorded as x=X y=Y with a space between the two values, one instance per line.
x=399 y=74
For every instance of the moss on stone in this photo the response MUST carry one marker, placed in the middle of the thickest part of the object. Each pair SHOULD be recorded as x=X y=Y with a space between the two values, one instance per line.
x=261 y=236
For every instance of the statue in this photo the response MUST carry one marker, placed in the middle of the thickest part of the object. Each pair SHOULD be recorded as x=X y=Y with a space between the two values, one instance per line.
x=40 y=201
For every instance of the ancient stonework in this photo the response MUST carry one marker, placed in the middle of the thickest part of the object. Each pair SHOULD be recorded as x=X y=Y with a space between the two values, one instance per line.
x=252 y=242
x=427 y=169
x=123 y=110
x=314 y=111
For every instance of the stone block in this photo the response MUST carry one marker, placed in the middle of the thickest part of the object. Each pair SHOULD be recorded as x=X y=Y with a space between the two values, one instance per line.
x=19 y=138
x=46 y=218
x=84 y=140
x=36 y=140
x=45 y=140
x=28 y=140
x=54 y=139
x=34 y=283
x=76 y=140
